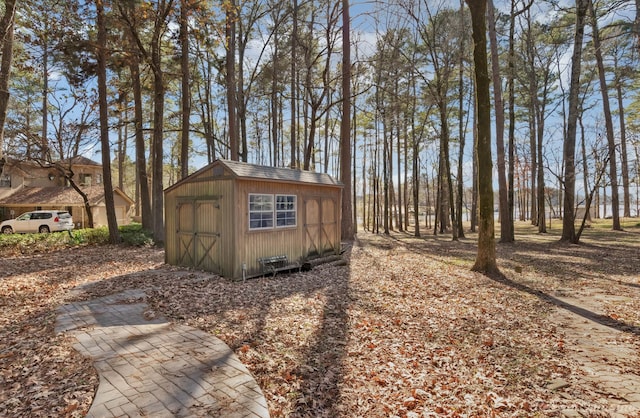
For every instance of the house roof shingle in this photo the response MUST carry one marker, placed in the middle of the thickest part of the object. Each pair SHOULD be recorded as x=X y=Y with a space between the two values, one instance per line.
x=79 y=160
x=63 y=196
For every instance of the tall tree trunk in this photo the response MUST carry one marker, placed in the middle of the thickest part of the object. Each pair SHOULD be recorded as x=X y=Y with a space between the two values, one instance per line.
x=157 y=182
x=154 y=58
x=186 y=95
x=141 y=161
x=506 y=227
x=512 y=116
x=585 y=165
x=400 y=203
x=101 y=59
x=608 y=119
x=274 y=157
x=533 y=93
x=327 y=138
x=385 y=175
x=416 y=163
x=440 y=210
x=7 y=30
x=568 y=221
x=461 y=135
x=44 y=141
x=474 y=185
x=230 y=32
x=241 y=99
x=294 y=74
x=405 y=188
x=345 y=127
x=623 y=151
x=448 y=183
x=427 y=192
x=486 y=256
x=374 y=173
x=121 y=149
x=366 y=197
x=354 y=153
x=542 y=225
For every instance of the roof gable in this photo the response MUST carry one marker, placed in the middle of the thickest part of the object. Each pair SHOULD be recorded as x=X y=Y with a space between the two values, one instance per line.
x=79 y=160
x=240 y=170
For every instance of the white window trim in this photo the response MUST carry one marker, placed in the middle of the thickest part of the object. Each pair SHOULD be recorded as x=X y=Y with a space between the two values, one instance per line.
x=274 y=212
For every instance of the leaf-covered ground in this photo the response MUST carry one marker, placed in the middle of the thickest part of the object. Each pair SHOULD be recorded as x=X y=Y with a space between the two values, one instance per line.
x=402 y=328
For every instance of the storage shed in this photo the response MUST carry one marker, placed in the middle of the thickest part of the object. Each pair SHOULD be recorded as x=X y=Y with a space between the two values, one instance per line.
x=228 y=215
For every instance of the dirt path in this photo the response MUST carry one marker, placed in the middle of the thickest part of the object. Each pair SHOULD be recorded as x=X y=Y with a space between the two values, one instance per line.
x=605 y=349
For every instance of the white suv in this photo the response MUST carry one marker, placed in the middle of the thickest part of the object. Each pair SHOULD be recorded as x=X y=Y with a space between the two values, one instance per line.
x=43 y=221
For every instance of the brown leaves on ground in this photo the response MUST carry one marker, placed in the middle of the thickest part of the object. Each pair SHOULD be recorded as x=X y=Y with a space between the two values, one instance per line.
x=40 y=373
x=404 y=329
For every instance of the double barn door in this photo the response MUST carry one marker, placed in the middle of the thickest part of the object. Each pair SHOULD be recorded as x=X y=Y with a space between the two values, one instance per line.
x=321 y=226
x=198 y=229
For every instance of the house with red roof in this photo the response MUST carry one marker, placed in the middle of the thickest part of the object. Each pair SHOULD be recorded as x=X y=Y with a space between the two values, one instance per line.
x=27 y=186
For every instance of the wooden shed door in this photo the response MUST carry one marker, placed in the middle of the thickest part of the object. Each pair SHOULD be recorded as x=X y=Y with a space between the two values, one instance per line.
x=320 y=225
x=198 y=233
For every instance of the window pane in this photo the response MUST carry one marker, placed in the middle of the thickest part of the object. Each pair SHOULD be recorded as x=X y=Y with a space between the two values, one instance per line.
x=285 y=210
x=260 y=211
x=260 y=202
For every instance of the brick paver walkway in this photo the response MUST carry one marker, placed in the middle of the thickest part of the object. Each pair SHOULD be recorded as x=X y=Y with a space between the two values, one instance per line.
x=151 y=367
x=608 y=358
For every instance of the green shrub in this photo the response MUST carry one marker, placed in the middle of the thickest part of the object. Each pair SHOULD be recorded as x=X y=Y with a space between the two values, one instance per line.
x=135 y=235
x=95 y=236
x=14 y=244
x=30 y=243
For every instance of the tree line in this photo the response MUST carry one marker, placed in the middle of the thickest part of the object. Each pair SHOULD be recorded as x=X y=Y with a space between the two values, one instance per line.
x=385 y=96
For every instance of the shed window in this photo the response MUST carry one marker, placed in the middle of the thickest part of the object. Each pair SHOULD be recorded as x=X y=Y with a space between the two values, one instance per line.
x=260 y=211
x=264 y=208
x=285 y=210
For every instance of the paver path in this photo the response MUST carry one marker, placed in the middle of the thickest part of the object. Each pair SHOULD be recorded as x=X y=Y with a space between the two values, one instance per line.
x=151 y=367
x=608 y=358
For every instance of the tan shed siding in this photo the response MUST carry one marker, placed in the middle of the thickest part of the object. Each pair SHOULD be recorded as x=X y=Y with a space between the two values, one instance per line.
x=266 y=242
x=212 y=221
x=289 y=241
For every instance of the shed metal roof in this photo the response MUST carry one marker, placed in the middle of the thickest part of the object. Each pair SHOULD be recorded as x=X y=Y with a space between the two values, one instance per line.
x=252 y=171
